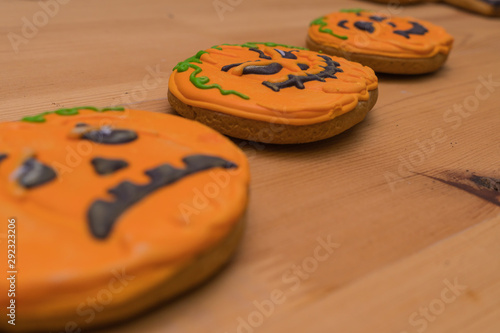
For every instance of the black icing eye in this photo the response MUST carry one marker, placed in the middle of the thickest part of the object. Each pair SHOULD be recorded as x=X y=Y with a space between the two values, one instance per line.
x=343 y=23
x=108 y=136
x=269 y=69
x=228 y=67
x=3 y=157
x=33 y=173
x=303 y=67
x=263 y=70
x=377 y=18
x=106 y=166
x=365 y=26
x=391 y=24
x=262 y=55
x=287 y=54
x=416 y=29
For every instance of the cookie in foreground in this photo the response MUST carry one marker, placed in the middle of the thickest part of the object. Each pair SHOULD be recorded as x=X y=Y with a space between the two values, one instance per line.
x=114 y=211
x=387 y=44
x=484 y=7
x=272 y=93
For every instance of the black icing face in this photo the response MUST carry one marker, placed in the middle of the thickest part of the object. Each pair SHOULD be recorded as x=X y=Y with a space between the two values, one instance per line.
x=368 y=24
x=103 y=213
x=274 y=62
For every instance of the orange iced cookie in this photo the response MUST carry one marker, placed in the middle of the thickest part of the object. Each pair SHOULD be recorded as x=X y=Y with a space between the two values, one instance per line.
x=397 y=45
x=272 y=93
x=485 y=7
x=109 y=212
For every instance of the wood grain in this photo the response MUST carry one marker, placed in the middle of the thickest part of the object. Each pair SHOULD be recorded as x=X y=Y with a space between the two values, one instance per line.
x=397 y=242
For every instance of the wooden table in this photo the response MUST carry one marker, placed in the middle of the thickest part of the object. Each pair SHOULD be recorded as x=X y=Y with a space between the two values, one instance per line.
x=415 y=244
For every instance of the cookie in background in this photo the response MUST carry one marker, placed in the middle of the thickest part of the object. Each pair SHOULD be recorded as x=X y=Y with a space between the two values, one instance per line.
x=272 y=93
x=387 y=44
x=484 y=7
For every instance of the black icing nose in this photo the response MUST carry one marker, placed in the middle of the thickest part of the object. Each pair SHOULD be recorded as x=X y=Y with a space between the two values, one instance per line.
x=365 y=26
x=34 y=173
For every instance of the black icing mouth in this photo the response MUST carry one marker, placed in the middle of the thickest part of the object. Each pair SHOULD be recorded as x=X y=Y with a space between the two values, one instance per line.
x=329 y=70
x=102 y=215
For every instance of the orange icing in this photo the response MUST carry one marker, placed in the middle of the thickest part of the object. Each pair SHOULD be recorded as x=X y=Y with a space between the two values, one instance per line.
x=383 y=41
x=59 y=262
x=316 y=103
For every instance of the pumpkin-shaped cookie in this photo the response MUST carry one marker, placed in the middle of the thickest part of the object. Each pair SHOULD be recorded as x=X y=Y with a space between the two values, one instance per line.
x=484 y=7
x=272 y=93
x=113 y=211
x=388 y=44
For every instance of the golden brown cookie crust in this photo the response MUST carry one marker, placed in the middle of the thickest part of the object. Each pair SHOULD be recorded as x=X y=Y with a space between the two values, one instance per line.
x=192 y=275
x=385 y=64
x=266 y=132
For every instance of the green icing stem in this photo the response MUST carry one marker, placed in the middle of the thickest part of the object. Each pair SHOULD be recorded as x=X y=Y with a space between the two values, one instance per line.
x=202 y=81
x=252 y=45
x=354 y=10
x=322 y=24
x=40 y=118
